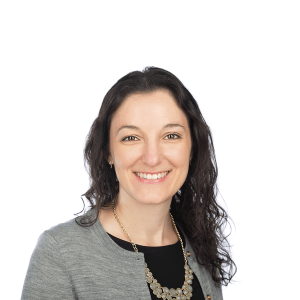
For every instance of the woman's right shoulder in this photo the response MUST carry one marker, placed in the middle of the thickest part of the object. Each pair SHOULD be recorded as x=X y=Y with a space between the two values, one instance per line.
x=57 y=251
x=74 y=230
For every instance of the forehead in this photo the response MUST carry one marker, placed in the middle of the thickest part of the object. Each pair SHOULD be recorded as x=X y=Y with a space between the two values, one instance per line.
x=159 y=107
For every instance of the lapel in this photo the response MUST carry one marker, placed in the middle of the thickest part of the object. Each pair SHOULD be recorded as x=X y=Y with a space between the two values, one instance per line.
x=208 y=285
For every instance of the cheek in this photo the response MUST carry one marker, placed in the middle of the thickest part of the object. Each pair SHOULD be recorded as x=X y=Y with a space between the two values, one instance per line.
x=124 y=157
x=179 y=156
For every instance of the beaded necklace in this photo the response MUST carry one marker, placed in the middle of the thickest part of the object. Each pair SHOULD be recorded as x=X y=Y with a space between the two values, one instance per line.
x=183 y=293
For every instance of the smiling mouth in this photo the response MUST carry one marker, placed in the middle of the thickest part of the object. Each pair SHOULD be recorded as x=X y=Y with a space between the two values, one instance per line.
x=152 y=176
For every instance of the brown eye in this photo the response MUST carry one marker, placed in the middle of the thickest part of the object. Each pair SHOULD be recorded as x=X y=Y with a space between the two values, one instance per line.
x=129 y=138
x=173 y=136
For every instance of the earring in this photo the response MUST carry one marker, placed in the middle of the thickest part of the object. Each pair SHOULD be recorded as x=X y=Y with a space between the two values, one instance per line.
x=110 y=163
x=190 y=160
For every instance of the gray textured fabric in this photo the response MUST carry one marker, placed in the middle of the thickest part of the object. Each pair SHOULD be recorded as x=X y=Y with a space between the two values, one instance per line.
x=72 y=262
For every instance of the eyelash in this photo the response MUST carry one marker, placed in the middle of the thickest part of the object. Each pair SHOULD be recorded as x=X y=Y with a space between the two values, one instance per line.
x=124 y=139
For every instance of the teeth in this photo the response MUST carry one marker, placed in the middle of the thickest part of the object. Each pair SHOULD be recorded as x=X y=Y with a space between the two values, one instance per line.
x=154 y=176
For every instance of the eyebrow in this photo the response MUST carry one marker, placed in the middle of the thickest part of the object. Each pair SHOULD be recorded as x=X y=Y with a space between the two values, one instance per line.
x=169 y=125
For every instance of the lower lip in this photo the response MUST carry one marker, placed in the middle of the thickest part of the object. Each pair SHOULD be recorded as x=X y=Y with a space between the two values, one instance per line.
x=151 y=181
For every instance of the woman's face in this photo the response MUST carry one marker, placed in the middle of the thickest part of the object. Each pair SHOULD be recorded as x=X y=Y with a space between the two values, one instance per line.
x=150 y=136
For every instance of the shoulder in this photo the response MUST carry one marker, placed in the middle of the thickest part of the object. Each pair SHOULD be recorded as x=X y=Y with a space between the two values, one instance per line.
x=70 y=234
x=57 y=251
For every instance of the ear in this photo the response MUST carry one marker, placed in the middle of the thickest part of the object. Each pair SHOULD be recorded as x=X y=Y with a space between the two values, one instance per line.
x=109 y=159
x=191 y=155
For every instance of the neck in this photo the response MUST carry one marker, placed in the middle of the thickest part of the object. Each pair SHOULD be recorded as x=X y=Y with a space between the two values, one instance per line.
x=146 y=224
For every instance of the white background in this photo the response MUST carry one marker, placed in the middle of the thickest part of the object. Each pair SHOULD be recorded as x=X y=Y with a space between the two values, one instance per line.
x=239 y=59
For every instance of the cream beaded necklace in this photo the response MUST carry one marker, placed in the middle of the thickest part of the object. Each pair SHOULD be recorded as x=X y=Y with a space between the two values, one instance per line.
x=184 y=293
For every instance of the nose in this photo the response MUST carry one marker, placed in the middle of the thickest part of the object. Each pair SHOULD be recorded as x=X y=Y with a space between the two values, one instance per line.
x=152 y=153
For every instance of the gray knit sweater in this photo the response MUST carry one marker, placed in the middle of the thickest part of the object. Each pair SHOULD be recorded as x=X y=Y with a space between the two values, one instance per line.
x=73 y=262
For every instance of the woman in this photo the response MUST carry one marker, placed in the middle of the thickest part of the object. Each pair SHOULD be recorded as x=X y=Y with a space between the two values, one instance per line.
x=154 y=228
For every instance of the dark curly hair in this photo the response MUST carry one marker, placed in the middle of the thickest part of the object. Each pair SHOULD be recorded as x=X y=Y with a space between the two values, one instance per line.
x=194 y=206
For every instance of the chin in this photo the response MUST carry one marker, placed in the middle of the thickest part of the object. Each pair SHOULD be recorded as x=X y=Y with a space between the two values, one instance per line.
x=153 y=200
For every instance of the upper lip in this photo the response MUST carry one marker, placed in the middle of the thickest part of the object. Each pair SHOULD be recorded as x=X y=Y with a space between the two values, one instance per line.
x=152 y=172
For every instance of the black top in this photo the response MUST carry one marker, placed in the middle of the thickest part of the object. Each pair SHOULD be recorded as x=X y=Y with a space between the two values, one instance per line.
x=166 y=263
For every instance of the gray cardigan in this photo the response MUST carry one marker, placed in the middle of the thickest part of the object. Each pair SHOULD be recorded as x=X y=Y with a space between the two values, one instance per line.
x=73 y=262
